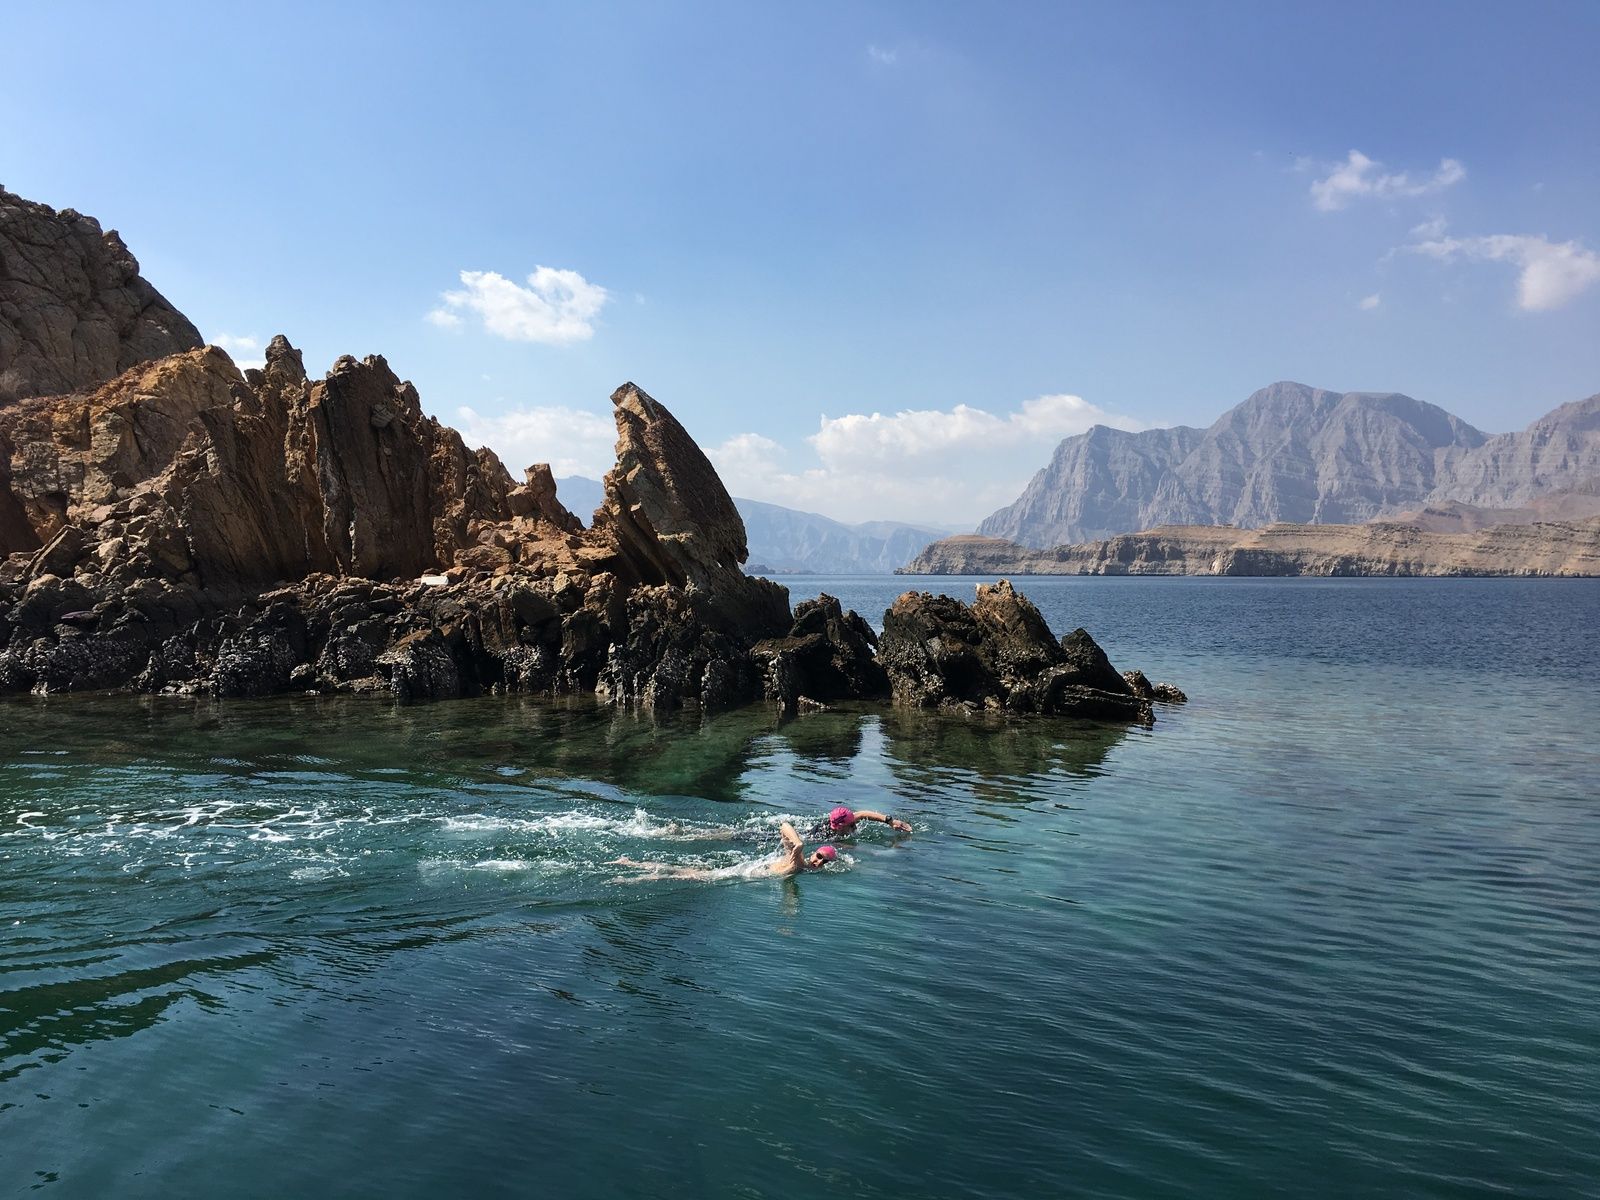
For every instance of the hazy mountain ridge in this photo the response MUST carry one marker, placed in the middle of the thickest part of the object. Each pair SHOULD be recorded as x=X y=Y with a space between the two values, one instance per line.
x=786 y=540
x=1292 y=453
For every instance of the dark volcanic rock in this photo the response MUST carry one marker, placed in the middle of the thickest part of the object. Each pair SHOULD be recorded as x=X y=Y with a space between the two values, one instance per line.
x=1167 y=693
x=74 y=310
x=827 y=655
x=997 y=654
x=1089 y=664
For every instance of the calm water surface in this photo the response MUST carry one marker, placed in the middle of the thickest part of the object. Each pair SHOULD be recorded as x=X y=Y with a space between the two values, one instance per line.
x=1333 y=928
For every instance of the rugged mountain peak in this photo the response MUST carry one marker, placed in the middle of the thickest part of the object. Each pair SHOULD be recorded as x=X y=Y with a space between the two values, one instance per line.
x=1289 y=452
x=74 y=310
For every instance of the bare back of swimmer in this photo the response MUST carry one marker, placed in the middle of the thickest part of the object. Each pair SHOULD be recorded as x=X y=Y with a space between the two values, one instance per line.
x=791 y=860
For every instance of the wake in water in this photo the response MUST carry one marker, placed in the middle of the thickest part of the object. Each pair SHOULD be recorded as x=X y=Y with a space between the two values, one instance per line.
x=294 y=831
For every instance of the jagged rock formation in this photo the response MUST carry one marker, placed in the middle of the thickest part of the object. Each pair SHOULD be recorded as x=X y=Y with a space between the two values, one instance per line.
x=1380 y=548
x=185 y=528
x=826 y=655
x=181 y=527
x=998 y=654
x=1294 y=454
x=74 y=310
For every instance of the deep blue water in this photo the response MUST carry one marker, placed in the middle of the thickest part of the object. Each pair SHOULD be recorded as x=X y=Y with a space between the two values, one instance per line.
x=1332 y=928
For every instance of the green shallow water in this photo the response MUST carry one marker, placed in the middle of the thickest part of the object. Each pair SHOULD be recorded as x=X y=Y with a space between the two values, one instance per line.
x=1332 y=928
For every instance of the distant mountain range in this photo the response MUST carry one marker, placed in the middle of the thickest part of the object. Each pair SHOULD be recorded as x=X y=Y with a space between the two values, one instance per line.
x=1292 y=453
x=785 y=541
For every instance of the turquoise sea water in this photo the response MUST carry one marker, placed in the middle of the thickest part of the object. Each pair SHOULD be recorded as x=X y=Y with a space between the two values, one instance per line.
x=1333 y=928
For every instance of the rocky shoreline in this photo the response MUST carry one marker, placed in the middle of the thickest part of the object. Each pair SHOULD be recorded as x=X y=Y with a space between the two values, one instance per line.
x=1381 y=548
x=186 y=528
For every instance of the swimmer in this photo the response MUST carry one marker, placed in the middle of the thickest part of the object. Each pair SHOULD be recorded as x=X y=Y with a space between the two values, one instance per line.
x=791 y=860
x=843 y=821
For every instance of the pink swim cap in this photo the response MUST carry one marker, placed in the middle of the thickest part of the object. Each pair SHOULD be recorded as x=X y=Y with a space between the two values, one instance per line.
x=828 y=852
x=841 y=818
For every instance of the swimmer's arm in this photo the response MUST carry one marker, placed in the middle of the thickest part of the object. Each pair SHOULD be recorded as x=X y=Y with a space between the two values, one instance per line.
x=866 y=814
x=793 y=856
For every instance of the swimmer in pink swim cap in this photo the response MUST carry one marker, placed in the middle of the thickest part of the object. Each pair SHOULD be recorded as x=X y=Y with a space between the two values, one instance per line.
x=843 y=820
x=791 y=860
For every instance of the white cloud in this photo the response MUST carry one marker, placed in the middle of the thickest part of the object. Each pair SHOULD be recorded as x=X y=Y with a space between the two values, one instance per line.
x=556 y=307
x=572 y=441
x=914 y=433
x=1370 y=302
x=244 y=349
x=944 y=466
x=1552 y=274
x=886 y=57
x=747 y=455
x=235 y=344
x=1359 y=176
x=1434 y=227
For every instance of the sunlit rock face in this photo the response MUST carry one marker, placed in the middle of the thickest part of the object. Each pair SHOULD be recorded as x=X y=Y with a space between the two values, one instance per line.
x=74 y=310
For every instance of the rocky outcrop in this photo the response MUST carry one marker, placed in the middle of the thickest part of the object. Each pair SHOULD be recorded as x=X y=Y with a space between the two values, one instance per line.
x=998 y=654
x=1564 y=548
x=827 y=655
x=184 y=528
x=74 y=310
x=1167 y=693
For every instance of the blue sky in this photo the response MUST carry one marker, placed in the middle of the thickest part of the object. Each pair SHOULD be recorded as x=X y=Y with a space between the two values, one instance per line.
x=879 y=258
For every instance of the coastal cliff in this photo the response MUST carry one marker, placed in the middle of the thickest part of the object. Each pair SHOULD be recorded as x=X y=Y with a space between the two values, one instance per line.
x=1564 y=548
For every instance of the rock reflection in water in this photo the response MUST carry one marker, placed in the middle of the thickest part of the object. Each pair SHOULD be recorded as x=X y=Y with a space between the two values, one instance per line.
x=999 y=760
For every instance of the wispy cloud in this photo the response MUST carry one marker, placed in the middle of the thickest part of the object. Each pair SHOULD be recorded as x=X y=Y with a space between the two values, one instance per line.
x=1550 y=274
x=571 y=440
x=887 y=58
x=244 y=349
x=556 y=307
x=1368 y=303
x=915 y=433
x=1360 y=177
x=944 y=465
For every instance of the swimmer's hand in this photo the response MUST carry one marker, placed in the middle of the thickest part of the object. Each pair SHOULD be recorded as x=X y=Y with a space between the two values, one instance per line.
x=899 y=826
